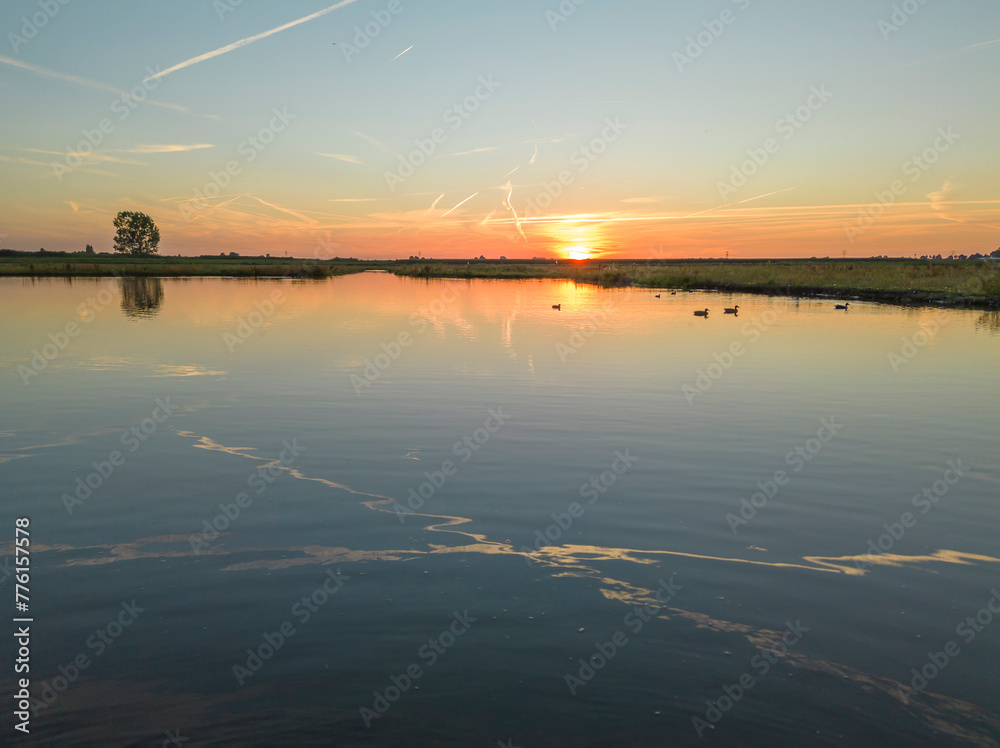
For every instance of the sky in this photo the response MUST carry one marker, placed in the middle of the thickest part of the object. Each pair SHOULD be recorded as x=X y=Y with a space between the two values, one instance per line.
x=572 y=129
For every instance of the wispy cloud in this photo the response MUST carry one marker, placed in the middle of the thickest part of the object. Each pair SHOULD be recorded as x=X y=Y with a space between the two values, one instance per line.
x=95 y=156
x=67 y=78
x=342 y=157
x=943 y=201
x=964 y=50
x=641 y=200
x=980 y=45
x=22 y=160
x=475 y=150
x=372 y=140
x=37 y=70
x=166 y=148
x=353 y=199
x=48 y=164
x=550 y=139
x=249 y=40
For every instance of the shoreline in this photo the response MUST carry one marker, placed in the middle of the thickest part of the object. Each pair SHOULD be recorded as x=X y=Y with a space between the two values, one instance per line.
x=953 y=284
x=683 y=276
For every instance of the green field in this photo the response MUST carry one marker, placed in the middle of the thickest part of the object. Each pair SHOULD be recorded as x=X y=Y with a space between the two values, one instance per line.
x=970 y=283
x=51 y=265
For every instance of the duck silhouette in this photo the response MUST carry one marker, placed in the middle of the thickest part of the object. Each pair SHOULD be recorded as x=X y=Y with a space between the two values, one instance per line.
x=701 y=314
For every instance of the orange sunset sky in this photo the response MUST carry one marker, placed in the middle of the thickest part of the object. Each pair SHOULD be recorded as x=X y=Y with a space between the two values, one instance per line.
x=449 y=129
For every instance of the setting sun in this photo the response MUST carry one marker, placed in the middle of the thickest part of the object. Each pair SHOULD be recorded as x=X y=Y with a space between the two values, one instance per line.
x=577 y=253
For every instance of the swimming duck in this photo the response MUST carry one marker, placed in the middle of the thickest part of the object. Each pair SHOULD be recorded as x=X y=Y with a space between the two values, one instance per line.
x=701 y=314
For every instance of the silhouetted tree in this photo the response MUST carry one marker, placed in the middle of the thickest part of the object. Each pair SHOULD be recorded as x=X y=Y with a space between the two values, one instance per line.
x=90 y=249
x=137 y=234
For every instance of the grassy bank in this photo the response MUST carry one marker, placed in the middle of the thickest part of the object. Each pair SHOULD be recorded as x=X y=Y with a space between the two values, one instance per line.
x=946 y=282
x=970 y=283
x=53 y=265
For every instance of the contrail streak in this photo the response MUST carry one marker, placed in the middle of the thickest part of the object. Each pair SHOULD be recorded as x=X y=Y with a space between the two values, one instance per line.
x=248 y=40
x=517 y=221
x=460 y=204
x=401 y=53
x=435 y=203
x=88 y=83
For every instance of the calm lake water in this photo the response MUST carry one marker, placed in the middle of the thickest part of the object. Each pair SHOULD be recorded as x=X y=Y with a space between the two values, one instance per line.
x=446 y=513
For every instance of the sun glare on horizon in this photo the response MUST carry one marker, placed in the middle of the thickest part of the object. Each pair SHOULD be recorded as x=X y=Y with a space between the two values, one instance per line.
x=578 y=252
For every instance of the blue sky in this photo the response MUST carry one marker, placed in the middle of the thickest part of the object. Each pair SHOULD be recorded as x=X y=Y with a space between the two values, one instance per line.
x=686 y=129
